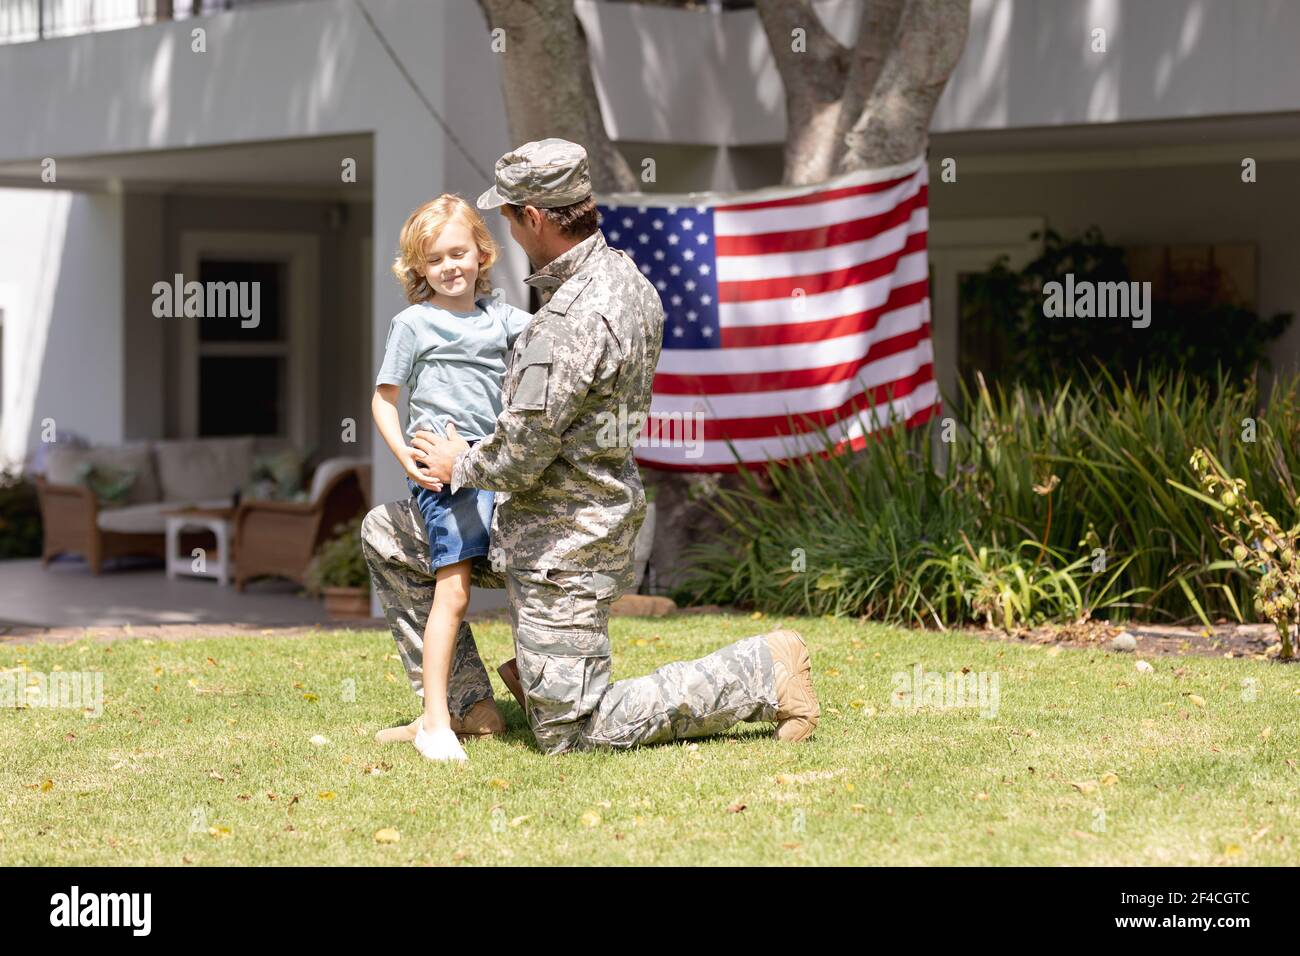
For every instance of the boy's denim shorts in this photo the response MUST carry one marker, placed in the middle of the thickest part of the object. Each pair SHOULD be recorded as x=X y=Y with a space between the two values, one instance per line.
x=458 y=525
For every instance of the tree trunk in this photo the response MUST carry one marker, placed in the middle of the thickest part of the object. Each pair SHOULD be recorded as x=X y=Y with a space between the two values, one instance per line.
x=549 y=89
x=893 y=124
x=849 y=109
x=812 y=104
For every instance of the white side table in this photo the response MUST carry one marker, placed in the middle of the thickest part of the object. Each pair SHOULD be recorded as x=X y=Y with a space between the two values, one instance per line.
x=216 y=520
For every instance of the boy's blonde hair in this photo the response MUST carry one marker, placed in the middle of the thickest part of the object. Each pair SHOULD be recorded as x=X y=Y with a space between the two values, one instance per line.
x=422 y=227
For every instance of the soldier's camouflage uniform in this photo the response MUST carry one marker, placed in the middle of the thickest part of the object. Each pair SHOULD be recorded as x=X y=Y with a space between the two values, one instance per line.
x=569 y=505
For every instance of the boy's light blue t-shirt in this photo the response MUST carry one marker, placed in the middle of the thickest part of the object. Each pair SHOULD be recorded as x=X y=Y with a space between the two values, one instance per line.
x=453 y=363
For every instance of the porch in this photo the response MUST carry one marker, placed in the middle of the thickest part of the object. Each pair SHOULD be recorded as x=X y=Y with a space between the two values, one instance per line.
x=66 y=595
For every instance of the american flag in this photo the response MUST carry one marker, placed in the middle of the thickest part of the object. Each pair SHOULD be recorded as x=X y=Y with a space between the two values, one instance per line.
x=787 y=309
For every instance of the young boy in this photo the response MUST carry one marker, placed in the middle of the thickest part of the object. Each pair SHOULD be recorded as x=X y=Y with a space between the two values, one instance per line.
x=450 y=349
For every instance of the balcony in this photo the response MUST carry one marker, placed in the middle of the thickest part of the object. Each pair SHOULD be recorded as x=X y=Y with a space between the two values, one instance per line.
x=22 y=21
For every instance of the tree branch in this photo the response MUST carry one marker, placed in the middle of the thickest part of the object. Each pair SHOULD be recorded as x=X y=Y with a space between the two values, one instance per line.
x=876 y=33
x=813 y=75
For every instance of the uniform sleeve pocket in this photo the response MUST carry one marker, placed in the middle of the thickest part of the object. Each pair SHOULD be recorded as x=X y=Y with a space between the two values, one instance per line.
x=534 y=375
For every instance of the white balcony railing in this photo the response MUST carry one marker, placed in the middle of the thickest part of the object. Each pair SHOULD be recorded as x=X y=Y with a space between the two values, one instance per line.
x=25 y=20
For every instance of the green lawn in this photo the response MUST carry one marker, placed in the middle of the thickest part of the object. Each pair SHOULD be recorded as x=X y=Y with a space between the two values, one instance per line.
x=203 y=754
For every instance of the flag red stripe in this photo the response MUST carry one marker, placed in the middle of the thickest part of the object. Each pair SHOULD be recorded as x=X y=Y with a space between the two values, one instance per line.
x=856 y=444
x=863 y=190
x=822 y=329
x=820 y=237
x=752 y=290
x=767 y=426
x=732 y=384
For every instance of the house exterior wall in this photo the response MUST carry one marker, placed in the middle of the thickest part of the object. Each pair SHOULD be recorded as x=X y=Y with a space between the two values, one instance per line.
x=1027 y=63
x=703 y=99
x=270 y=73
x=61 y=279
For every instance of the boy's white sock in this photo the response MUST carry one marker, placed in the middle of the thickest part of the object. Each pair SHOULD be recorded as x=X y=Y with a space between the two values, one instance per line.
x=440 y=744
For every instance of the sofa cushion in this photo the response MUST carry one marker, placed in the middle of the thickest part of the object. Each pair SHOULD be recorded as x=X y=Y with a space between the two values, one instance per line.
x=276 y=476
x=65 y=466
x=149 y=518
x=110 y=484
x=204 y=468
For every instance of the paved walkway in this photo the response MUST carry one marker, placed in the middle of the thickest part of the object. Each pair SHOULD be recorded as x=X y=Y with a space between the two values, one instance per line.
x=67 y=595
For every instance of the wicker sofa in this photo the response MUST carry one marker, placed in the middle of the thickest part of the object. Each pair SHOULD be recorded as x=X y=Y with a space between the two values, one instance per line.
x=170 y=475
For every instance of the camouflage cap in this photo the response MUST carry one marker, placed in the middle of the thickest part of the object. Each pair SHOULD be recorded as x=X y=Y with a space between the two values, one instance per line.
x=546 y=173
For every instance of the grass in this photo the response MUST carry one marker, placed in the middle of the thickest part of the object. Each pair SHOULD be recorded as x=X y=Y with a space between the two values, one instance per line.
x=202 y=755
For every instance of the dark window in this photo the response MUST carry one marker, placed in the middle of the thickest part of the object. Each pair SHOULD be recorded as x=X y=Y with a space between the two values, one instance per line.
x=241 y=395
x=267 y=279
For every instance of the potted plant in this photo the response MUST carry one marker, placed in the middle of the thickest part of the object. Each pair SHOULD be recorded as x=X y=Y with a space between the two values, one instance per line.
x=339 y=573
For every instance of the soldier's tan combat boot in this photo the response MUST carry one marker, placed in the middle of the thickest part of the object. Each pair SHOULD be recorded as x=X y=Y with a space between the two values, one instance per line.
x=797 y=712
x=509 y=672
x=482 y=720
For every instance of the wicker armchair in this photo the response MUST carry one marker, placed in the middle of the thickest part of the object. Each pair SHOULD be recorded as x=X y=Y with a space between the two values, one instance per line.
x=278 y=538
x=70 y=519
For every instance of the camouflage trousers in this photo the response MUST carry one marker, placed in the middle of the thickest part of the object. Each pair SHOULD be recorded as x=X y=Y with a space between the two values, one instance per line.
x=560 y=621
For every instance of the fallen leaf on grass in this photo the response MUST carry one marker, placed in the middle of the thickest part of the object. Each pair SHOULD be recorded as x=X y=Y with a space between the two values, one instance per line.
x=219 y=832
x=1259 y=834
x=590 y=819
x=516 y=821
x=1109 y=779
x=499 y=783
x=387 y=835
x=1196 y=699
x=47 y=786
x=325 y=794
x=736 y=808
x=1084 y=786
x=1266 y=733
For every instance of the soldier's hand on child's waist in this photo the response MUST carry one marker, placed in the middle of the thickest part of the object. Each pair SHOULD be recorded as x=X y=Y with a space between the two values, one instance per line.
x=439 y=454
